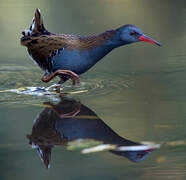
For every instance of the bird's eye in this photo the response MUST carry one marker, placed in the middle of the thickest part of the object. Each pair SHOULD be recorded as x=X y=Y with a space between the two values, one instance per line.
x=133 y=33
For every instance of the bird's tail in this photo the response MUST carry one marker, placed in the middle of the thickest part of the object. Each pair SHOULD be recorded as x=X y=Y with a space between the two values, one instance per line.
x=37 y=26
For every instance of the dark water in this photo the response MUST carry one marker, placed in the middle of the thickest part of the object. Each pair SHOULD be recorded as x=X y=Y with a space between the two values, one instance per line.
x=135 y=94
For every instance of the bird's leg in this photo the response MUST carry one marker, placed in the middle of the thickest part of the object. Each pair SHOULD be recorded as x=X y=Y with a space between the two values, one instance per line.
x=73 y=76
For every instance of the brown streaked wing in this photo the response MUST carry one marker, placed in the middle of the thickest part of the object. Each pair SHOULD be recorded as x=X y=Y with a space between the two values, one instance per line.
x=42 y=46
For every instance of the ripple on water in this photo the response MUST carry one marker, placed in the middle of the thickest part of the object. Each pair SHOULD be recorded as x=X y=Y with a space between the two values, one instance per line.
x=23 y=84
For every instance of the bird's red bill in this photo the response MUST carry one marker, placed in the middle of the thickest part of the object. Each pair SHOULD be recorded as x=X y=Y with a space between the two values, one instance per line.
x=147 y=39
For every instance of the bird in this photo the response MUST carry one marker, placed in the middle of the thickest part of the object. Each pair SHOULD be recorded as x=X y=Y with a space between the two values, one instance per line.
x=68 y=121
x=68 y=56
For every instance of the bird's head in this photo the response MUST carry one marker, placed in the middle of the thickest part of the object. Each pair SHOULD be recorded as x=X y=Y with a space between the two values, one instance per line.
x=130 y=34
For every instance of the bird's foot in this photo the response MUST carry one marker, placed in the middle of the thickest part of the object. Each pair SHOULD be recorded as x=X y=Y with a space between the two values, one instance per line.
x=73 y=76
x=70 y=74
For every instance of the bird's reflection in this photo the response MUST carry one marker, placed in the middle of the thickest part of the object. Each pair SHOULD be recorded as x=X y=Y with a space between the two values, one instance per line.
x=70 y=121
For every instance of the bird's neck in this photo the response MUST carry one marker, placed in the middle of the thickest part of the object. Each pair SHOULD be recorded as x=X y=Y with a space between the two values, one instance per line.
x=99 y=51
x=110 y=39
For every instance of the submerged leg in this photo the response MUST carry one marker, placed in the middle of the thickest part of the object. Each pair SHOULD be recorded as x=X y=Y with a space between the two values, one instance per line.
x=73 y=76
